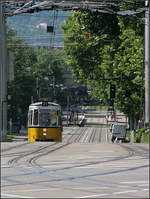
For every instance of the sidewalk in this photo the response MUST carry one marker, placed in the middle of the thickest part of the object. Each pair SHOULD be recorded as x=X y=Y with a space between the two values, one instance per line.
x=20 y=138
x=23 y=135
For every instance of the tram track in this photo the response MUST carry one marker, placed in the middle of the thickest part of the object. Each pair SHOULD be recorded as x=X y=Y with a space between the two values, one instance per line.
x=78 y=138
x=55 y=147
x=32 y=161
x=15 y=160
x=62 y=173
x=65 y=177
x=14 y=147
x=86 y=134
x=50 y=166
x=136 y=151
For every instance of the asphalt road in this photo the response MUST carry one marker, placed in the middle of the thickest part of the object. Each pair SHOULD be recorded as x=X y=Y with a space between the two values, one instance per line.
x=84 y=165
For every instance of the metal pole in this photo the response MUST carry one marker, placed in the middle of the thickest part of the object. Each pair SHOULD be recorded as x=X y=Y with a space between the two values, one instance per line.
x=54 y=92
x=1 y=67
x=147 y=63
x=37 y=88
x=67 y=110
x=3 y=73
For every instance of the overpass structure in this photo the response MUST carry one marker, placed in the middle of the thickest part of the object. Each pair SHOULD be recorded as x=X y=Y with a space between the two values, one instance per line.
x=15 y=7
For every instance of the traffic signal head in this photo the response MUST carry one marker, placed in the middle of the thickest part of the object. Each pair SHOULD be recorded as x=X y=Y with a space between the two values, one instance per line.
x=50 y=29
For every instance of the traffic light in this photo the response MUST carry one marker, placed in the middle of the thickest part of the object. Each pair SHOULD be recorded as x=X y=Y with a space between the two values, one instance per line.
x=112 y=91
x=50 y=29
x=111 y=102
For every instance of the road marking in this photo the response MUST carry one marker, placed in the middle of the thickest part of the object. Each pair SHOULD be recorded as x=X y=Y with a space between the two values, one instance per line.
x=145 y=189
x=15 y=196
x=120 y=192
x=28 y=190
x=118 y=166
x=106 y=137
x=90 y=196
x=132 y=182
x=5 y=166
x=124 y=186
x=143 y=185
x=91 y=188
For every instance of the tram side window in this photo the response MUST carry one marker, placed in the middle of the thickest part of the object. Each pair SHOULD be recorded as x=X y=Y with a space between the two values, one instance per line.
x=54 y=118
x=30 y=117
x=35 y=122
x=59 y=118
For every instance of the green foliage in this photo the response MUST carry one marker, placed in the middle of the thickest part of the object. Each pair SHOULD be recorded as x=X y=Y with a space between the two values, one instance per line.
x=50 y=69
x=145 y=138
x=85 y=56
x=138 y=135
x=128 y=135
x=113 y=50
x=128 y=62
x=30 y=65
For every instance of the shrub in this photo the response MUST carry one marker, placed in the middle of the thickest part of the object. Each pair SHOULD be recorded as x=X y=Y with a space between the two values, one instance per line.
x=138 y=135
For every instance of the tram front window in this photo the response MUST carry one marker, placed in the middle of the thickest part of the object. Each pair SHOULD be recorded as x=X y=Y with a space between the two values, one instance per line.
x=47 y=118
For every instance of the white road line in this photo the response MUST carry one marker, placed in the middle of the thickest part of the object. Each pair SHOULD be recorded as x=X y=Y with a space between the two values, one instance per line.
x=120 y=192
x=124 y=186
x=5 y=167
x=89 y=188
x=145 y=189
x=118 y=166
x=28 y=190
x=15 y=196
x=144 y=185
x=133 y=182
x=90 y=196
x=106 y=137
x=103 y=151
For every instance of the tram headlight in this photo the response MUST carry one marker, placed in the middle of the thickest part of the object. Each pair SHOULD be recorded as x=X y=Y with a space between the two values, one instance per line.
x=44 y=132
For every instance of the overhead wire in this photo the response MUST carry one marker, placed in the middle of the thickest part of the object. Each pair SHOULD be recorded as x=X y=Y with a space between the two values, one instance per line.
x=31 y=6
x=54 y=35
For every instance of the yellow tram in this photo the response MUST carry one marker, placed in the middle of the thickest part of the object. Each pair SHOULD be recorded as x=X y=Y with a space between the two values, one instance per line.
x=44 y=122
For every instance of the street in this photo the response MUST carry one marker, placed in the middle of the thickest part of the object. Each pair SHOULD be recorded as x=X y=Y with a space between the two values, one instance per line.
x=84 y=165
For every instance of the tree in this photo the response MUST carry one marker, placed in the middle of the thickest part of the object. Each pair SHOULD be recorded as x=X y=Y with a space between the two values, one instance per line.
x=22 y=87
x=112 y=54
x=128 y=63
x=86 y=57
x=30 y=65
x=50 y=69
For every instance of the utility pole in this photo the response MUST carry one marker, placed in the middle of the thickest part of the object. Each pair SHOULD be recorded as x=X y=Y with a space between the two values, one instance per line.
x=147 y=63
x=1 y=66
x=3 y=74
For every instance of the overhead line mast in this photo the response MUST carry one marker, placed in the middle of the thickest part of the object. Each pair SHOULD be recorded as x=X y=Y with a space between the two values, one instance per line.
x=3 y=74
x=147 y=63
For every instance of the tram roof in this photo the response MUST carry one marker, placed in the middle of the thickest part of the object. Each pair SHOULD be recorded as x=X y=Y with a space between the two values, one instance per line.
x=40 y=104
